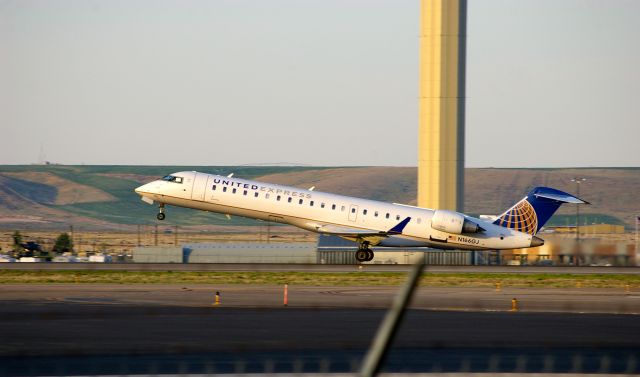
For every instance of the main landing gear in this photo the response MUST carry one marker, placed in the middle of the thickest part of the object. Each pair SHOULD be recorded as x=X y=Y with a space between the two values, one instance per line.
x=364 y=254
x=161 y=215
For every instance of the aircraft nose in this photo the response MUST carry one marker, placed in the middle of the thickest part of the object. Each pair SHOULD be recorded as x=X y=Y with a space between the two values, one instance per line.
x=536 y=241
x=143 y=188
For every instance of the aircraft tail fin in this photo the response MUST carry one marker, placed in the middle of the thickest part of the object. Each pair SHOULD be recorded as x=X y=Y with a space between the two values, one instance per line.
x=534 y=210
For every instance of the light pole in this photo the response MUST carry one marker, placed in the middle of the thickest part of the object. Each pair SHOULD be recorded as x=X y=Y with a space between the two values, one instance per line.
x=637 y=255
x=578 y=181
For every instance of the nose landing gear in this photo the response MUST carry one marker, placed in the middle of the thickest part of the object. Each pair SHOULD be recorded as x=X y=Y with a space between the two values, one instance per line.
x=161 y=216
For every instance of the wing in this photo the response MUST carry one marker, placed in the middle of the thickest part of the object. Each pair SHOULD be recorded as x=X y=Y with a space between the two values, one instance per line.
x=359 y=234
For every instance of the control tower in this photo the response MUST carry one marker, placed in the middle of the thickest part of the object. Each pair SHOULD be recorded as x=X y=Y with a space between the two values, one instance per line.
x=443 y=26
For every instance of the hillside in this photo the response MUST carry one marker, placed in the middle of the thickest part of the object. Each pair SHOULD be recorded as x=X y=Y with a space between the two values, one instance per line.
x=102 y=197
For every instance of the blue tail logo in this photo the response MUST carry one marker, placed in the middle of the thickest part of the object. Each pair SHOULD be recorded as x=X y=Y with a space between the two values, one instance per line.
x=532 y=212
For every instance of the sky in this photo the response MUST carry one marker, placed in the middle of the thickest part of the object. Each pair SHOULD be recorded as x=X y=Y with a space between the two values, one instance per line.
x=550 y=83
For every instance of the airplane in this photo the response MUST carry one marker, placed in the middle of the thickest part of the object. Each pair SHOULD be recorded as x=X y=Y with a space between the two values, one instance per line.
x=366 y=222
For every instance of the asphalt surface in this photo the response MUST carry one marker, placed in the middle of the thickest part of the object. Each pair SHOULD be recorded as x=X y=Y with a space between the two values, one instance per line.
x=116 y=329
x=275 y=267
x=574 y=300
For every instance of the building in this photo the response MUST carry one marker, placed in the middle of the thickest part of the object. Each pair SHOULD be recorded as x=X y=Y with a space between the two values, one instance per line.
x=442 y=104
x=228 y=253
x=335 y=250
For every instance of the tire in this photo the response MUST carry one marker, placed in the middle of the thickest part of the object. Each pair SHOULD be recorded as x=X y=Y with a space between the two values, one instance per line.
x=362 y=255
x=161 y=216
x=370 y=255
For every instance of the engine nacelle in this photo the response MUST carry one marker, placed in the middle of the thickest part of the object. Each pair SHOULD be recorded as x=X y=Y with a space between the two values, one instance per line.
x=453 y=222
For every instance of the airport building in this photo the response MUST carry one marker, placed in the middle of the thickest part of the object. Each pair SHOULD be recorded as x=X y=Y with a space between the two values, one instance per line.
x=589 y=229
x=228 y=253
x=335 y=250
x=329 y=250
x=564 y=252
x=560 y=249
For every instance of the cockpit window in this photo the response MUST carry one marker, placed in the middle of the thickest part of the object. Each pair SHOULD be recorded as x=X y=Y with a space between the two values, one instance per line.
x=172 y=178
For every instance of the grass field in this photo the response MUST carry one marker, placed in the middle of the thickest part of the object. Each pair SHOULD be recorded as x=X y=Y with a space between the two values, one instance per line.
x=320 y=279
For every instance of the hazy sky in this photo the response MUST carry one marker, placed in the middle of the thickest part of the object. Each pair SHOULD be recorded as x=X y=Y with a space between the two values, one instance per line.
x=318 y=82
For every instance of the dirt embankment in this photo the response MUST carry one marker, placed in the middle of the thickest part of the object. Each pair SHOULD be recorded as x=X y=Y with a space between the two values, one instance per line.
x=51 y=189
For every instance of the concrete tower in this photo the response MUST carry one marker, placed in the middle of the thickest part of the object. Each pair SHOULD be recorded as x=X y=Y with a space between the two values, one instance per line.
x=441 y=110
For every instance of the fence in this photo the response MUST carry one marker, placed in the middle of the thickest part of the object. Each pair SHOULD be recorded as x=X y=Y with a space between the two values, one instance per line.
x=442 y=360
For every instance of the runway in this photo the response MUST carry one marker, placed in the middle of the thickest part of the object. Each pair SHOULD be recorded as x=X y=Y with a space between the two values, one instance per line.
x=569 y=300
x=273 y=267
x=142 y=329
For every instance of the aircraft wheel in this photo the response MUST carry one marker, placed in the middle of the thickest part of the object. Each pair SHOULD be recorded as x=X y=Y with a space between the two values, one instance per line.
x=161 y=216
x=362 y=255
x=370 y=255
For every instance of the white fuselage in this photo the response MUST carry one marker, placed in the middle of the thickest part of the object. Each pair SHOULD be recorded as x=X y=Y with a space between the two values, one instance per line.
x=313 y=210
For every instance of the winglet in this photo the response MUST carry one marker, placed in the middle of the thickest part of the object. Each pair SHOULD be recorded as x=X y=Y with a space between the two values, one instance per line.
x=400 y=227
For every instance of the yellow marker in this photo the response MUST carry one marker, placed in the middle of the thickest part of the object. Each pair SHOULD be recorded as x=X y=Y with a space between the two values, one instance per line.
x=286 y=294
x=514 y=305
x=217 y=301
x=498 y=286
x=627 y=288
x=579 y=284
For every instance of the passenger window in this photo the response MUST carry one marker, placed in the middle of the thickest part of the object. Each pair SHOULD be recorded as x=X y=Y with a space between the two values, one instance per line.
x=255 y=194
x=245 y=192
x=233 y=191
x=353 y=210
x=224 y=189
x=333 y=206
x=289 y=200
x=300 y=201
x=278 y=198
x=364 y=212
x=321 y=205
x=178 y=180
x=397 y=217
x=375 y=214
x=311 y=203
x=386 y=216
x=214 y=188
x=266 y=196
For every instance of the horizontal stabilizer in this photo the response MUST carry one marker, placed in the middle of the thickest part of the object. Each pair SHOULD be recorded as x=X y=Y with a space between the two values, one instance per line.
x=561 y=197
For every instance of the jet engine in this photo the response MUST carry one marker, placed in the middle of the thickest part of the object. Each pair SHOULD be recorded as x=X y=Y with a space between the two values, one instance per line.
x=453 y=222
